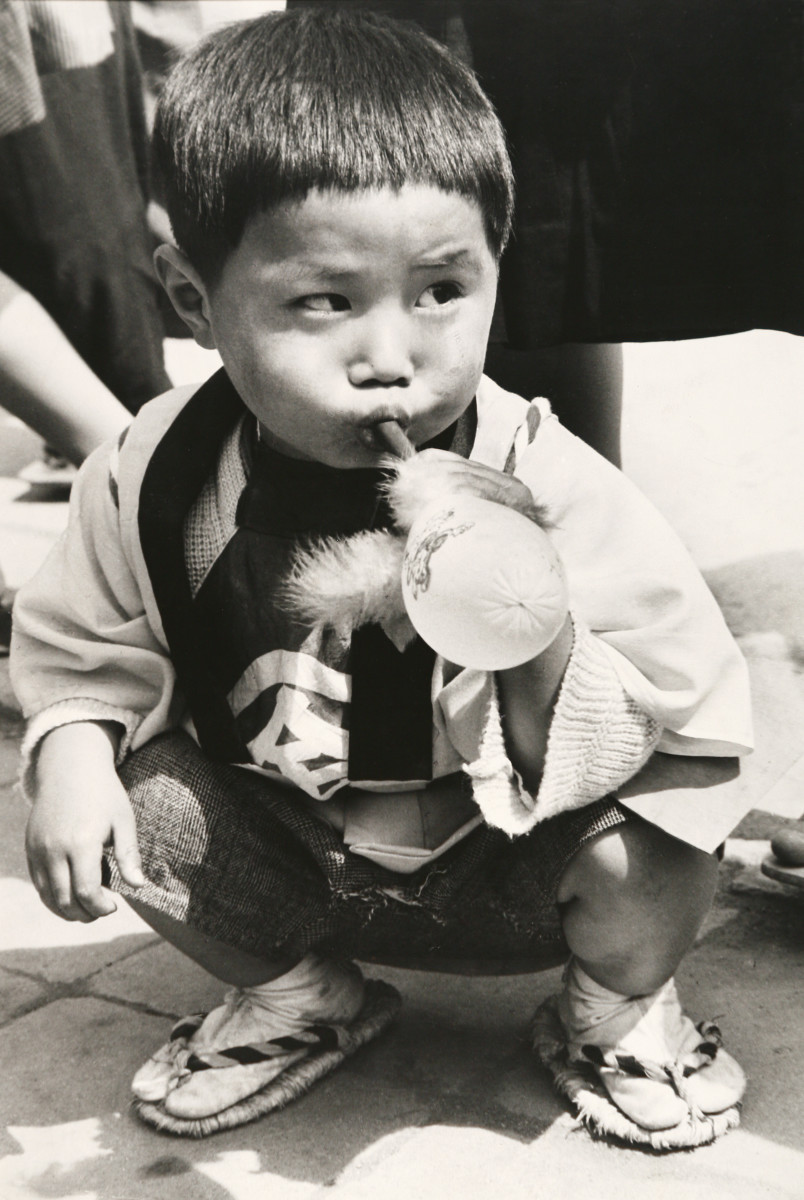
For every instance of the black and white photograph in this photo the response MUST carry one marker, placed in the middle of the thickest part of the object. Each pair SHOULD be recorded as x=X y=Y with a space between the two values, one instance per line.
x=402 y=599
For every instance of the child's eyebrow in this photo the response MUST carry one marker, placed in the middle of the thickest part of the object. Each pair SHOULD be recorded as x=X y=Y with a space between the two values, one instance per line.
x=456 y=258
x=312 y=271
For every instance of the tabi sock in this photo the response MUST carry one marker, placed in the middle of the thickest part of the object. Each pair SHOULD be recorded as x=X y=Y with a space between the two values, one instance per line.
x=315 y=991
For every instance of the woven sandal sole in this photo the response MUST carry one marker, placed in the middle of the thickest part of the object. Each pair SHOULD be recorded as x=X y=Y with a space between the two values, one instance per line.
x=381 y=1005
x=794 y=876
x=580 y=1085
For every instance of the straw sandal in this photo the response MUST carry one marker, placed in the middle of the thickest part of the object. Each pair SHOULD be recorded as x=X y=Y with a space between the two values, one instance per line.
x=308 y=1056
x=581 y=1081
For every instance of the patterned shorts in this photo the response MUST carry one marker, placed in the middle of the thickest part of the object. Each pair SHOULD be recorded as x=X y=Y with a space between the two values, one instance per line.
x=231 y=854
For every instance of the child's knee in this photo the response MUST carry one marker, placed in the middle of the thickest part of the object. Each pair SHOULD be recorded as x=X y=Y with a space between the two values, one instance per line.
x=639 y=862
x=632 y=902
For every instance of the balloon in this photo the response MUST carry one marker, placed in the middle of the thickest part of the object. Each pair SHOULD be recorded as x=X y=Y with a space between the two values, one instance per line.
x=482 y=584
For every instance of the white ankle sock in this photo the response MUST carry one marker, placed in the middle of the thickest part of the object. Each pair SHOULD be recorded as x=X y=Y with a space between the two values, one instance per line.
x=651 y=1027
x=315 y=990
x=585 y=1004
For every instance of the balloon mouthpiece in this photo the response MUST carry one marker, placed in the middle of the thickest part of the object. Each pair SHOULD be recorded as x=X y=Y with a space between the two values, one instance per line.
x=393 y=438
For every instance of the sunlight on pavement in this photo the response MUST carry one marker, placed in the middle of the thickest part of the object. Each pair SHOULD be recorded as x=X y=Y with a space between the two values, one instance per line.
x=50 y=1152
x=42 y=928
x=240 y=1174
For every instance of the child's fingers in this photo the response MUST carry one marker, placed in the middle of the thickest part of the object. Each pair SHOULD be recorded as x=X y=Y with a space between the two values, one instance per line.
x=47 y=878
x=43 y=888
x=126 y=850
x=486 y=482
x=65 y=902
x=89 y=896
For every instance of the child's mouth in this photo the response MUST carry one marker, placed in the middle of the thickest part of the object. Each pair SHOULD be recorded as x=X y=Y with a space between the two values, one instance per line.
x=387 y=436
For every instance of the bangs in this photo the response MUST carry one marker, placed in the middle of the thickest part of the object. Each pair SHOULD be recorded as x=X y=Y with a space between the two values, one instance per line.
x=269 y=110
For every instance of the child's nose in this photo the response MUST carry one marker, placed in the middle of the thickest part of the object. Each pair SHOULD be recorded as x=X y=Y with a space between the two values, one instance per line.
x=382 y=355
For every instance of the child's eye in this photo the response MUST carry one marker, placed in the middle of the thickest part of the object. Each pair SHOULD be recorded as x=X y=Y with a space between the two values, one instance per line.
x=325 y=302
x=439 y=294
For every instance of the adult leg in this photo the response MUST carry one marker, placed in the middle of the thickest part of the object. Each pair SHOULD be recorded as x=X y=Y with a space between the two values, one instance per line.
x=583 y=382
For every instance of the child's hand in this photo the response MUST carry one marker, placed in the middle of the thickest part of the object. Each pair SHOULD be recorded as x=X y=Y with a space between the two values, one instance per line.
x=81 y=806
x=462 y=475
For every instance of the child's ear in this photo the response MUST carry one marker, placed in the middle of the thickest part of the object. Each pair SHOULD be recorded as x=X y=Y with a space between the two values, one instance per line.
x=187 y=292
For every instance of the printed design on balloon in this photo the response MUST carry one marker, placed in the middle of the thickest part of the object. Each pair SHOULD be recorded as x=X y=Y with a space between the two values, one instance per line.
x=433 y=536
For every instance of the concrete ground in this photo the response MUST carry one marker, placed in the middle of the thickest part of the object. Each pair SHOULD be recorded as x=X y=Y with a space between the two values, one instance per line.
x=450 y=1103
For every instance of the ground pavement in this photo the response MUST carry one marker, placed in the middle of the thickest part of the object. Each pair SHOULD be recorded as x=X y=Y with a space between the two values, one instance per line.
x=449 y=1103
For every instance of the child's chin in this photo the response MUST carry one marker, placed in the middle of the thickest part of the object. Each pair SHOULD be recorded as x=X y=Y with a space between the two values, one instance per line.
x=352 y=460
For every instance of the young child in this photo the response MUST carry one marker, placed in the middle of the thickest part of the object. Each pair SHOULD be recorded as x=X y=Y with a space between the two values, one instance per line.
x=275 y=798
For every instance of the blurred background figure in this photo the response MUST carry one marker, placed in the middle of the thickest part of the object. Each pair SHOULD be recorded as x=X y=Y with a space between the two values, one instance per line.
x=46 y=383
x=659 y=158
x=74 y=193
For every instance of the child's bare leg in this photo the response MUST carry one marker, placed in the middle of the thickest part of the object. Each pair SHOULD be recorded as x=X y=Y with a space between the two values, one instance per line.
x=230 y=965
x=633 y=901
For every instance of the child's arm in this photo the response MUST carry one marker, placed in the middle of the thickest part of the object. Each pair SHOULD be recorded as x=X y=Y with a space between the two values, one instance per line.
x=652 y=666
x=560 y=731
x=528 y=695
x=86 y=643
x=94 y=678
x=80 y=806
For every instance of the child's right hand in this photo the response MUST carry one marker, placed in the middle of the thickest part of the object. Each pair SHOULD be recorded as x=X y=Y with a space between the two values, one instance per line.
x=80 y=807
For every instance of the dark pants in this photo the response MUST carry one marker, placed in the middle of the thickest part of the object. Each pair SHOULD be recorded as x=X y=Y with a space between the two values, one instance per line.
x=234 y=856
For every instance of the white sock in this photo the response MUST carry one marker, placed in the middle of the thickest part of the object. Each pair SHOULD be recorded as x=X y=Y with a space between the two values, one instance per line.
x=314 y=991
x=585 y=1004
x=651 y=1027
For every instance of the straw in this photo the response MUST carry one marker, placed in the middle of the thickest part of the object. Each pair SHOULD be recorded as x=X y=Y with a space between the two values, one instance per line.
x=394 y=439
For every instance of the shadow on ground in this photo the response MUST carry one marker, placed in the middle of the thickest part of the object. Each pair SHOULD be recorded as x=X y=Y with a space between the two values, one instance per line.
x=457 y=1058
x=449 y=1102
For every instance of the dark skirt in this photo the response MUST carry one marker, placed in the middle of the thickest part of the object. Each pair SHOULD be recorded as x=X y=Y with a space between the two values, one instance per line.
x=657 y=149
x=234 y=856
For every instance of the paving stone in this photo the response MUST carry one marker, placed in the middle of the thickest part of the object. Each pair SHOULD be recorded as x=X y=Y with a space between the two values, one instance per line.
x=42 y=944
x=746 y=974
x=316 y=1137
x=71 y=1132
x=18 y=994
x=500 y=1001
x=68 y=1118
x=738 y=1167
x=162 y=978
x=443 y=1162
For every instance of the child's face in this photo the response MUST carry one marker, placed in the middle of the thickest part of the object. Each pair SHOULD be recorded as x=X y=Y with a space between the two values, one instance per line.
x=346 y=308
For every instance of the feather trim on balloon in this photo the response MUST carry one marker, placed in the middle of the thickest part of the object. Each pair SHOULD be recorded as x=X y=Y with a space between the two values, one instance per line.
x=346 y=583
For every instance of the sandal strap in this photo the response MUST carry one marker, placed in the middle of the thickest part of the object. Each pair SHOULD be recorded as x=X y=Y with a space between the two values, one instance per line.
x=678 y=1080
x=314 y=1038
x=703 y=1054
x=674 y=1072
x=187 y=1026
